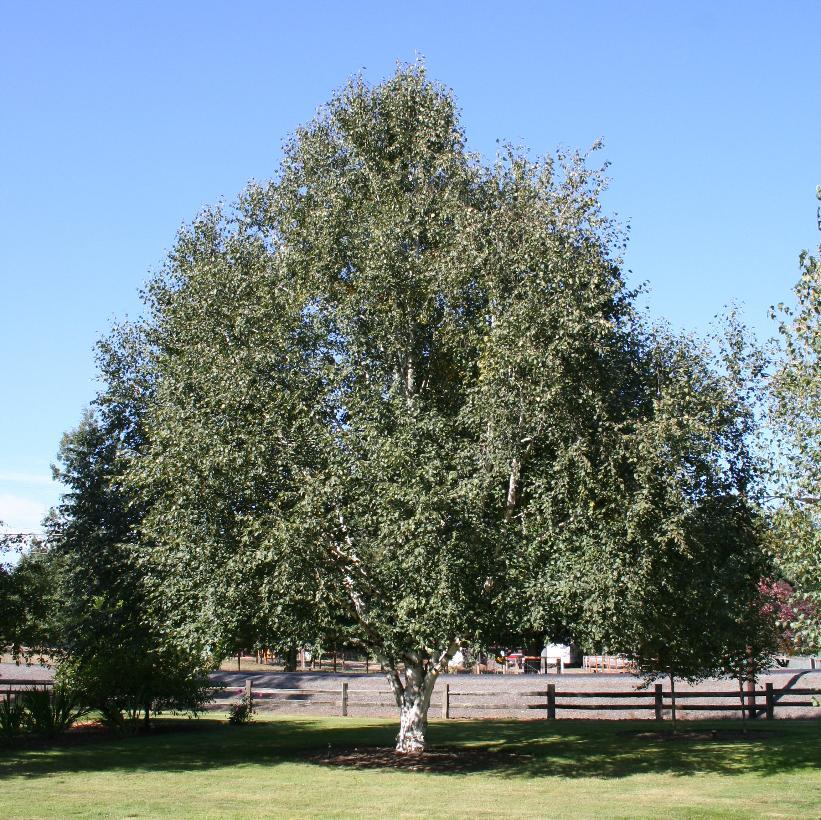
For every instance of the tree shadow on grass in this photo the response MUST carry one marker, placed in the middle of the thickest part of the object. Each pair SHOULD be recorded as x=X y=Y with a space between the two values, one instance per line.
x=615 y=749
x=505 y=748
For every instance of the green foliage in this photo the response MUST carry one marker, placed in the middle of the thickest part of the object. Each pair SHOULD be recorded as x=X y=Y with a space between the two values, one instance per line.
x=43 y=712
x=12 y=716
x=26 y=597
x=401 y=399
x=796 y=413
x=50 y=712
x=242 y=712
x=111 y=652
x=694 y=607
x=700 y=611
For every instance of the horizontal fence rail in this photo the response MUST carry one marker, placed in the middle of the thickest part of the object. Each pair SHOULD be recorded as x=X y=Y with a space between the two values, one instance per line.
x=548 y=700
x=24 y=683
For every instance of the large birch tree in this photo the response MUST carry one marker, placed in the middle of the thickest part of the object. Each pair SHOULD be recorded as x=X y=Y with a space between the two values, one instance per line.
x=401 y=398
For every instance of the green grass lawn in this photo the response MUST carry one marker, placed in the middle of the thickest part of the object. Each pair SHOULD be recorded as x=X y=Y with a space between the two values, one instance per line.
x=205 y=768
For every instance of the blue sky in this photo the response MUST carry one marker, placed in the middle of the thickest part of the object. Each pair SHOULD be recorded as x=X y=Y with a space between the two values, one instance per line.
x=121 y=120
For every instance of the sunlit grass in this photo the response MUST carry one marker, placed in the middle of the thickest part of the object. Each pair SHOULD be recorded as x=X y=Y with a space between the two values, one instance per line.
x=205 y=768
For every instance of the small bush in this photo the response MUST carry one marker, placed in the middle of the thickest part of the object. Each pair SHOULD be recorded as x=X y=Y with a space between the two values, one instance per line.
x=241 y=713
x=127 y=692
x=11 y=716
x=122 y=715
x=47 y=713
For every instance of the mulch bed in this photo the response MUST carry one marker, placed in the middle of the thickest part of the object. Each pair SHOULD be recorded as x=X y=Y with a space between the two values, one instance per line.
x=434 y=760
x=93 y=731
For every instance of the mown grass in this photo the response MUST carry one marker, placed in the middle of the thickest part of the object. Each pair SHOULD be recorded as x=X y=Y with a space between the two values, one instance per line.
x=205 y=768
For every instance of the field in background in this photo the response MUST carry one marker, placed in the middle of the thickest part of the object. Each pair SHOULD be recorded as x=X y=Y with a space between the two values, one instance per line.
x=277 y=767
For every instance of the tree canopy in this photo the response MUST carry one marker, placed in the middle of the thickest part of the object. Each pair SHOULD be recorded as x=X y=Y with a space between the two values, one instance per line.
x=104 y=634
x=796 y=411
x=402 y=397
x=26 y=595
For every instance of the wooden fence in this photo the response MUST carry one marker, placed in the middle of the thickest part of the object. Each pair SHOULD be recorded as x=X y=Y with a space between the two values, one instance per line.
x=549 y=700
x=18 y=684
x=759 y=702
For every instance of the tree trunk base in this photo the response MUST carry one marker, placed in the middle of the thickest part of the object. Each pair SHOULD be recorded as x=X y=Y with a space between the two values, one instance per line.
x=413 y=724
x=290 y=660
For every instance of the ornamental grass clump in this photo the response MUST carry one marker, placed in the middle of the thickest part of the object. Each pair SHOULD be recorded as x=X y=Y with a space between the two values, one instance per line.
x=49 y=713
x=11 y=716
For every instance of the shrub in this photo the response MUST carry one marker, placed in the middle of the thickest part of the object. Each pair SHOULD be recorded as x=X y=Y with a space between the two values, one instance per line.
x=47 y=713
x=127 y=692
x=11 y=715
x=241 y=712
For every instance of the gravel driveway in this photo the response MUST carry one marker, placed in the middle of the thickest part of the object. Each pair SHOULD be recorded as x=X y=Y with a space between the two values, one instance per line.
x=472 y=696
x=504 y=696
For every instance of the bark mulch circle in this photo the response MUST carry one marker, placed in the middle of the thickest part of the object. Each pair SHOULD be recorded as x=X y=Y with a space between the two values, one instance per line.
x=433 y=760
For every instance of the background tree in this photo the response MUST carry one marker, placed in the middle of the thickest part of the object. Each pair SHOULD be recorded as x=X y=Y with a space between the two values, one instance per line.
x=26 y=597
x=110 y=651
x=405 y=400
x=752 y=639
x=796 y=412
x=689 y=552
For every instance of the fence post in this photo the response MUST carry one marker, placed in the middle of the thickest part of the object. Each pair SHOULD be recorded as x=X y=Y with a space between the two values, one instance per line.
x=752 y=710
x=551 y=701
x=659 y=702
x=248 y=693
x=344 y=698
x=446 y=702
x=768 y=694
x=559 y=665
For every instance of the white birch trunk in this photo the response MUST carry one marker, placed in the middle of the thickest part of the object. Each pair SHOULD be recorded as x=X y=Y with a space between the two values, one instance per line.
x=413 y=699
x=513 y=488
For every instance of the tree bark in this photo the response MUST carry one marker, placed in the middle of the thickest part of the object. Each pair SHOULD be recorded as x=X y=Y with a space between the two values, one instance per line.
x=290 y=659
x=413 y=698
x=743 y=705
x=513 y=488
x=673 y=698
x=751 y=679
